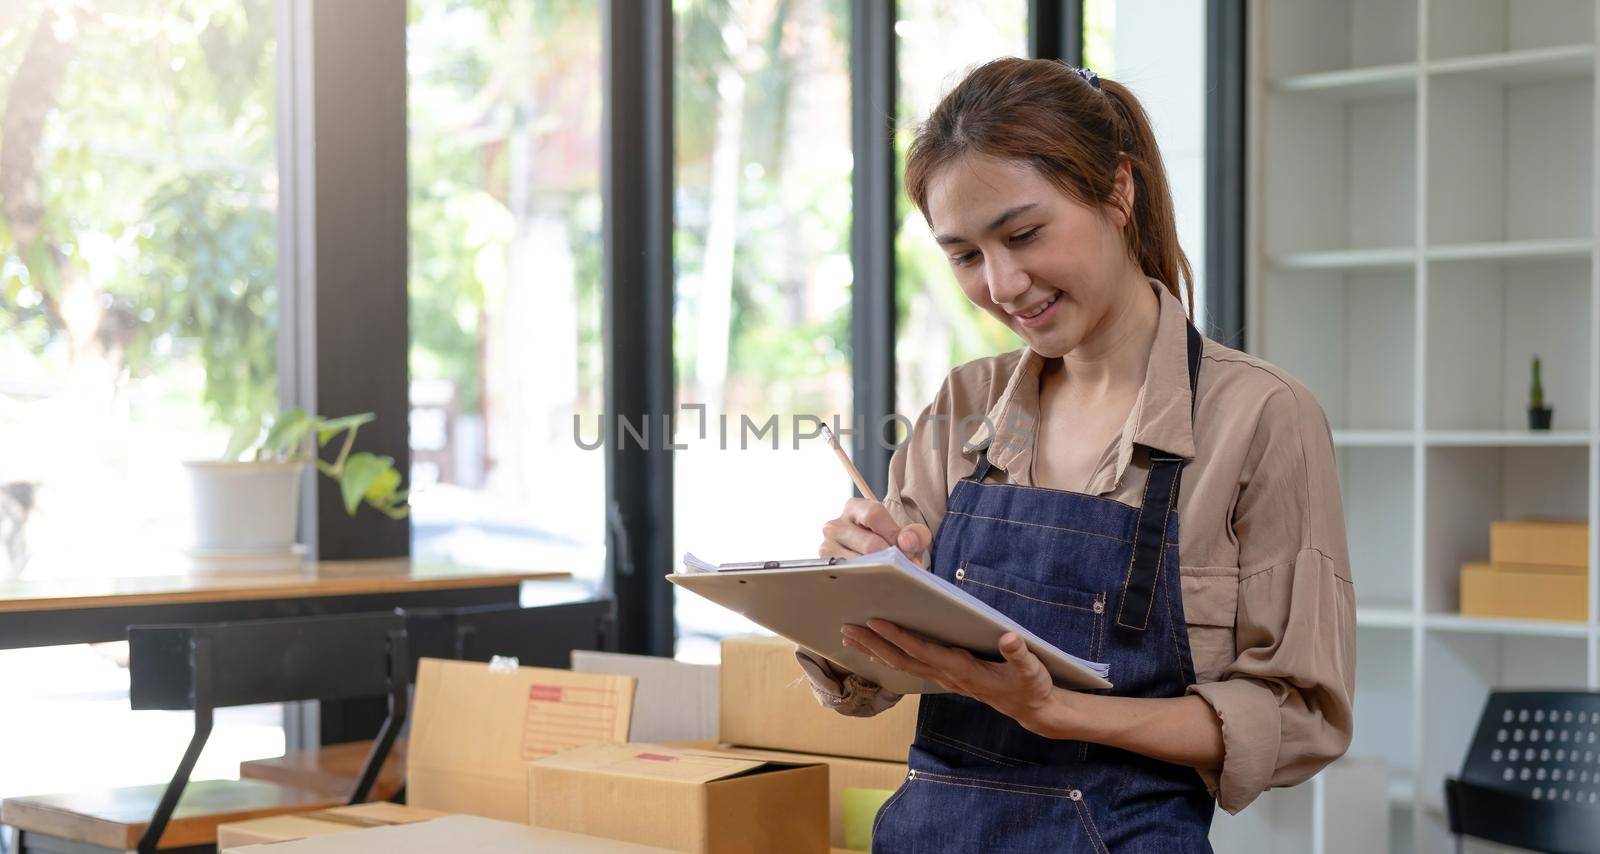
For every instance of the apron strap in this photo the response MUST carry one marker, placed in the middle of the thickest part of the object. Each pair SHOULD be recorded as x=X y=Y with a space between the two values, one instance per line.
x=982 y=470
x=1155 y=511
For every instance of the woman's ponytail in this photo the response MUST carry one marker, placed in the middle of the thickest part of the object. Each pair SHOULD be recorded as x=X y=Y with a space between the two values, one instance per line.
x=1152 y=233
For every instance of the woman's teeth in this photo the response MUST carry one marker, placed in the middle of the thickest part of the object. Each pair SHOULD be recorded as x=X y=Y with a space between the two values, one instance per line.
x=1040 y=310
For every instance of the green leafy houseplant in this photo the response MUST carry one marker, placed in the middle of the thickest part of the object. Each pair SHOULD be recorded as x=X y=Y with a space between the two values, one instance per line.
x=294 y=437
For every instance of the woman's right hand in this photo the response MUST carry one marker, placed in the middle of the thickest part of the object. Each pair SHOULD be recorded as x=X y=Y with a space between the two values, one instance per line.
x=865 y=526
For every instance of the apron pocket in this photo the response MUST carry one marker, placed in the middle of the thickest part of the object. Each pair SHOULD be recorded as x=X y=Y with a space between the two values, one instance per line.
x=1070 y=619
x=949 y=812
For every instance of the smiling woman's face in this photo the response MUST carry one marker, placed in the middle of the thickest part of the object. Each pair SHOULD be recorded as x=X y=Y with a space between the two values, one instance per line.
x=1038 y=260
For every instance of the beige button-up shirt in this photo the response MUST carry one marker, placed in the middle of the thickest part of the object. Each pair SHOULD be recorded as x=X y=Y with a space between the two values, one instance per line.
x=1265 y=568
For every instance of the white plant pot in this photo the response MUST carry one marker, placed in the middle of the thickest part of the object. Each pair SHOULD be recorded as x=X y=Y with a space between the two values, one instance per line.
x=249 y=507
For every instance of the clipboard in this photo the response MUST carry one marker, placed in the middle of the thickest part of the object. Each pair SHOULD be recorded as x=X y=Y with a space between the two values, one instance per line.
x=807 y=601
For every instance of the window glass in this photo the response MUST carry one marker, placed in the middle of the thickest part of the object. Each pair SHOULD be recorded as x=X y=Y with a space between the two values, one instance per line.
x=762 y=325
x=1158 y=50
x=937 y=327
x=504 y=105
x=138 y=324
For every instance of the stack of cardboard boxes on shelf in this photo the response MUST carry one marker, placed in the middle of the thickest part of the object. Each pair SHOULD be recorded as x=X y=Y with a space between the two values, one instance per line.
x=1538 y=569
x=542 y=758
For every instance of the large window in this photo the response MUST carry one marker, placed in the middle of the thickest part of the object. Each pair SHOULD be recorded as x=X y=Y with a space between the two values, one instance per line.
x=138 y=235
x=138 y=230
x=1158 y=50
x=937 y=327
x=504 y=155
x=762 y=324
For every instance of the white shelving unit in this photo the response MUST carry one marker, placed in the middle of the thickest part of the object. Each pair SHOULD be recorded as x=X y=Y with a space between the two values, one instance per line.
x=1425 y=212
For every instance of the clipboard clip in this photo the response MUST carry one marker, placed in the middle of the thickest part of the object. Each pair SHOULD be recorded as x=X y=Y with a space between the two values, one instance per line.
x=780 y=564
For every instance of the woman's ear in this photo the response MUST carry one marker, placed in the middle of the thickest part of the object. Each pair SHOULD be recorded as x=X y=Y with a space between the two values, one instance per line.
x=1122 y=194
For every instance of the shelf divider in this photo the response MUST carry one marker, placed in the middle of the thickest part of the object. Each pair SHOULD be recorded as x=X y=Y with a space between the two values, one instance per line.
x=1438 y=622
x=1531 y=65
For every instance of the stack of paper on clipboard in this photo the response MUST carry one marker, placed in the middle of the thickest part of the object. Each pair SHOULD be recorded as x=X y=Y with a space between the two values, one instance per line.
x=808 y=600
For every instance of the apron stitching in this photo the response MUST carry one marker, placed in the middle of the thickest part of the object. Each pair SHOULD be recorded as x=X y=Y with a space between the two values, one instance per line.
x=973 y=750
x=1058 y=492
x=1013 y=788
x=1133 y=553
x=1099 y=630
x=1089 y=825
x=966 y=783
x=1172 y=494
x=884 y=810
x=1037 y=525
x=1185 y=673
x=1172 y=635
x=1161 y=555
x=970 y=580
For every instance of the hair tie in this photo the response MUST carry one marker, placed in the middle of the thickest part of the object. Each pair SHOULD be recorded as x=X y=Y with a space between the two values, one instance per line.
x=1088 y=76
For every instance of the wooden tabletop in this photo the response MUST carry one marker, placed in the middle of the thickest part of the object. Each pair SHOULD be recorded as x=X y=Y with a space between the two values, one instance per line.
x=117 y=818
x=316 y=578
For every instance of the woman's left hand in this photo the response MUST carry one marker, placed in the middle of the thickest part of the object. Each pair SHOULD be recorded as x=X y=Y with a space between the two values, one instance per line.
x=1018 y=687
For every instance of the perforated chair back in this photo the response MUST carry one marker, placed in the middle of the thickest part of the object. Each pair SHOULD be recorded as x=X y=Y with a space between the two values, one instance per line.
x=1532 y=775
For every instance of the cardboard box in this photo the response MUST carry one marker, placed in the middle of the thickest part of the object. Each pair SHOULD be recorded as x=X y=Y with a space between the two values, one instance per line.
x=475 y=728
x=767 y=703
x=685 y=800
x=844 y=774
x=283 y=828
x=1527 y=591
x=451 y=833
x=674 y=700
x=1550 y=542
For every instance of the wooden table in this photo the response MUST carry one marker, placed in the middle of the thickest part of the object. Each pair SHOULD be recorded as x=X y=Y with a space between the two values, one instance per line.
x=48 y=612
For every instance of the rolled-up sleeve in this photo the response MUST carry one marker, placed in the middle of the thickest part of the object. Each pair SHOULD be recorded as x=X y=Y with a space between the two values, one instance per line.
x=845 y=692
x=1285 y=701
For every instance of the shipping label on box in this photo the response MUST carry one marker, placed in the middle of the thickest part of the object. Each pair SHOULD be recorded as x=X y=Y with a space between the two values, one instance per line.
x=766 y=702
x=475 y=729
x=685 y=800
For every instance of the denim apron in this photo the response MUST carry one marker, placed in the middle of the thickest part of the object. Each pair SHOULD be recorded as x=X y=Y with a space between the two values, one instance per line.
x=1100 y=580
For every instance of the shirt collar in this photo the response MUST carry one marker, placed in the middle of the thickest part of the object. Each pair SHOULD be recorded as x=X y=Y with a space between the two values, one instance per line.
x=1160 y=417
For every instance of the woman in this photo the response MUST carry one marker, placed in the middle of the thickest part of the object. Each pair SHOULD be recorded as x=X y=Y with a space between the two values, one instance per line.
x=1049 y=482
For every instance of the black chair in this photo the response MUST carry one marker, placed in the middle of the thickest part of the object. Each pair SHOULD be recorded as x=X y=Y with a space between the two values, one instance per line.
x=1532 y=775
x=542 y=636
x=206 y=667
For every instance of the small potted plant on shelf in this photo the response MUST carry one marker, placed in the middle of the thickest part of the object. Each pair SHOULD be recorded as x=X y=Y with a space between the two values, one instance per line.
x=1538 y=413
x=246 y=504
